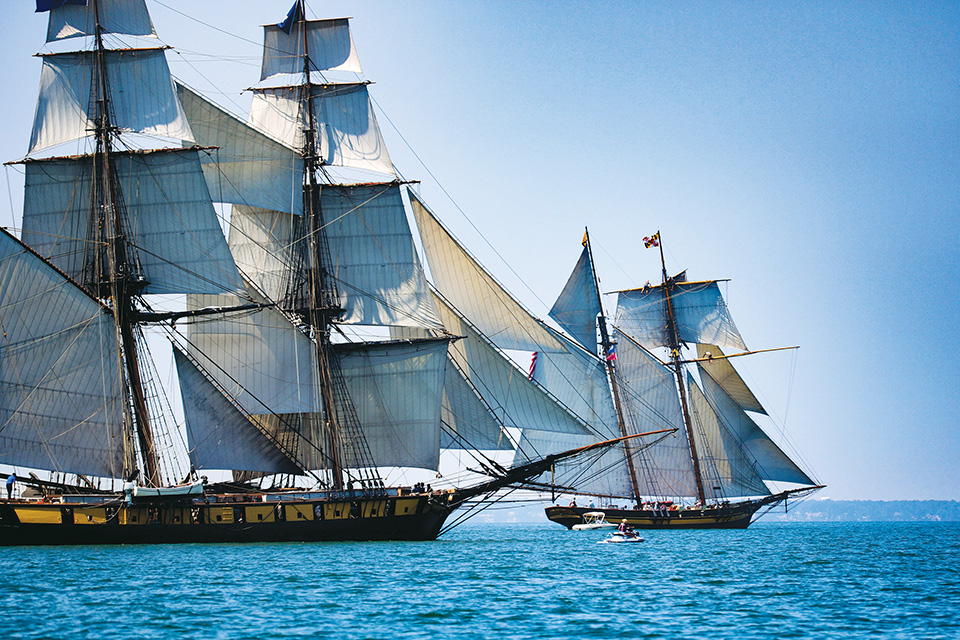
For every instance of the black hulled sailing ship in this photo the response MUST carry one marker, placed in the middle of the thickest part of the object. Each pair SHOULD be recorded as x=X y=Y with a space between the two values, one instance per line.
x=121 y=243
x=713 y=471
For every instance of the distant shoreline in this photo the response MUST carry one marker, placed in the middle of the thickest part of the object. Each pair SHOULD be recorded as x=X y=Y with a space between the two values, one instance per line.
x=807 y=511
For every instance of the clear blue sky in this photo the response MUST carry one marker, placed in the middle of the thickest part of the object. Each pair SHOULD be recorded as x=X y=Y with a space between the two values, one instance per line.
x=810 y=152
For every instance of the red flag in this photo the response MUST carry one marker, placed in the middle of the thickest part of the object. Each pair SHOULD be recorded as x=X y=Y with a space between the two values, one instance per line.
x=533 y=365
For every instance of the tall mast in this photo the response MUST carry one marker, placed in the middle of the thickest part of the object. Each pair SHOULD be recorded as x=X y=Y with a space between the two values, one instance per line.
x=118 y=280
x=322 y=302
x=606 y=344
x=676 y=364
x=320 y=307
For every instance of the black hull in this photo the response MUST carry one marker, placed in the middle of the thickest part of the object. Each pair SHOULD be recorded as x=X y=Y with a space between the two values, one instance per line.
x=416 y=518
x=734 y=516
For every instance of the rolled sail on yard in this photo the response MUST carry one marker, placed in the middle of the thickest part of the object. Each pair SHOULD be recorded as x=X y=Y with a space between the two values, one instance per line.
x=61 y=390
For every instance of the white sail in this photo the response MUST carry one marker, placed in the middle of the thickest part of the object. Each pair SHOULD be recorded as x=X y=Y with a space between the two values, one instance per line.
x=515 y=400
x=121 y=17
x=699 y=311
x=723 y=373
x=258 y=357
x=573 y=375
x=726 y=470
x=261 y=242
x=141 y=97
x=247 y=167
x=61 y=391
x=348 y=133
x=328 y=43
x=648 y=396
x=769 y=460
x=379 y=276
x=171 y=225
x=469 y=423
x=218 y=435
x=396 y=389
x=578 y=305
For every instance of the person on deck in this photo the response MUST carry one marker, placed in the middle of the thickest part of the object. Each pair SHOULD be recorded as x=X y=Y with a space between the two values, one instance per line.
x=11 y=480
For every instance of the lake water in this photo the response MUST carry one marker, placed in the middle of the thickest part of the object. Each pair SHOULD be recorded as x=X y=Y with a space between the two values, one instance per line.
x=784 y=580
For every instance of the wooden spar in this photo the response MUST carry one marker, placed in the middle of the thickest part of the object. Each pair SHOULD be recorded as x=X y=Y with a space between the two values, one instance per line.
x=735 y=355
x=535 y=468
x=611 y=372
x=678 y=372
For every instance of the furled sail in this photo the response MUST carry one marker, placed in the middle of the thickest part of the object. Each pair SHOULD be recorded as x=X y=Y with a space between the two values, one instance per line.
x=328 y=43
x=61 y=390
x=248 y=167
x=121 y=17
x=770 y=461
x=171 y=225
x=578 y=305
x=396 y=388
x=141 y=97
x=218 y=435
x=727 y=471
x=700 y=313
x=723 y=373
x=348 y=134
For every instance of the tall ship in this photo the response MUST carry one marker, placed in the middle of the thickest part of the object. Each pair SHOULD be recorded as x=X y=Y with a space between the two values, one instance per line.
x=311 y=351
x=713 y=472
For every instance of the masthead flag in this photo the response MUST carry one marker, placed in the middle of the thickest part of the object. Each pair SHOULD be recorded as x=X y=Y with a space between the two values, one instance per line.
x=292 y=17
x=651 y=241
x=48 y=5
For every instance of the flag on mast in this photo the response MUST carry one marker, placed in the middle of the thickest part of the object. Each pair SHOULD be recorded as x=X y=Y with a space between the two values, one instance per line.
x=533 y=366
x=651 y=241
x=49 y=5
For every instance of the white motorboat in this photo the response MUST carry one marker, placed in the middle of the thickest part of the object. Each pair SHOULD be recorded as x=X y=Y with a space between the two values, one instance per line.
x=594 y=520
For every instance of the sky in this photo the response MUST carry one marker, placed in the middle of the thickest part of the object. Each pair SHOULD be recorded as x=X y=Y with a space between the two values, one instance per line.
x=809 y=152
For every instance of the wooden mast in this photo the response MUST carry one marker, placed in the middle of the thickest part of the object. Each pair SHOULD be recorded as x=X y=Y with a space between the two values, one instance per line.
x=606 y=343
x=677 y=365
x=322 y=300
x=120 y=282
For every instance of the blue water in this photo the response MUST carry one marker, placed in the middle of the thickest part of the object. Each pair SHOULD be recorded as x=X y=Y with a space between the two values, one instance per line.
x=784 y=580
